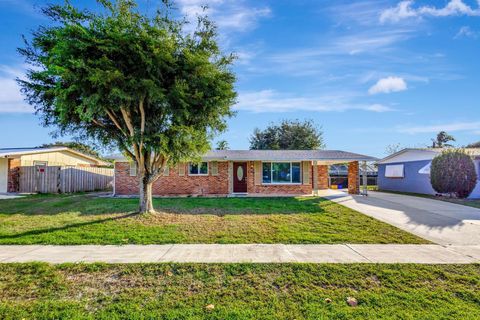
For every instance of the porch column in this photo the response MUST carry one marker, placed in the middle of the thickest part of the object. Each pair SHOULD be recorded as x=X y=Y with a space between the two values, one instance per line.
x=323 y=177
x=353 y=178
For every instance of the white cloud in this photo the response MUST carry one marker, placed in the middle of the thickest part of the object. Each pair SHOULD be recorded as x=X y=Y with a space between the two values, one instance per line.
x=466 y=32
x=449 y=127
x=387 y=85
x=265 y=101
x=405 y=10
x=231 y=15
x=11 y=100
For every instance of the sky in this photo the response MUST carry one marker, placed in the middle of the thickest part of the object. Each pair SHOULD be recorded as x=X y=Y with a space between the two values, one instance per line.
x=370 y=73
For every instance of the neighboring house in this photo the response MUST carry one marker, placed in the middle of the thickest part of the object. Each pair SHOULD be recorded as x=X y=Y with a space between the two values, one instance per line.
x=252 y=172
x=12 y=159
x=409 y=171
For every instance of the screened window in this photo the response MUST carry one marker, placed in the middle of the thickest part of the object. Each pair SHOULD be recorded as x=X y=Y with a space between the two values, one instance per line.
x=281 y=172
x=198 y=168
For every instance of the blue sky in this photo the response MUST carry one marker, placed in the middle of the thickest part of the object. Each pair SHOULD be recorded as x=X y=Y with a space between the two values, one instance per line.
x=371 y=73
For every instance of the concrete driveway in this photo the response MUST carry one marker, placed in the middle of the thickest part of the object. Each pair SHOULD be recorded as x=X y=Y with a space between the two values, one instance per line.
x=438 y=221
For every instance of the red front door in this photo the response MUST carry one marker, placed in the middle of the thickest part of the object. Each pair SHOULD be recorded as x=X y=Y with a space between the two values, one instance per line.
x=240 y=177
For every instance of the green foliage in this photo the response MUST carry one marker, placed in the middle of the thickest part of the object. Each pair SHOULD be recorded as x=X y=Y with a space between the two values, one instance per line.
x=453 y=172
x=474 y=145
x=442 y=140
x=239 y=291
x=288 y=135
x=222 y=145
x=78 y=146
x=142 y=84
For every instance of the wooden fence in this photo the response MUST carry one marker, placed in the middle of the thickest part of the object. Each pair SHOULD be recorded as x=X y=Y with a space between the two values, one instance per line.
x=53 y=179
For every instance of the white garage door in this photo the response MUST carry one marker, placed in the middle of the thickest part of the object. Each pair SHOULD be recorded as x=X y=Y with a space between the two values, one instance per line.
x=3 y=174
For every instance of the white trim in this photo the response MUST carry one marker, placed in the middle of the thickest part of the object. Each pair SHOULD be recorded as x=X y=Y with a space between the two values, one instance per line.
x=114 y=181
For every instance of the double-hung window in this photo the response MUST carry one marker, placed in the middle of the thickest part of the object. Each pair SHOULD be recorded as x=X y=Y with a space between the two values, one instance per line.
x=281 y=172
x=197 y=169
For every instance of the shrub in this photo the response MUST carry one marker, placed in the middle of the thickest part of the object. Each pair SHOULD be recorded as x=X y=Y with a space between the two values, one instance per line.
x=453 y=172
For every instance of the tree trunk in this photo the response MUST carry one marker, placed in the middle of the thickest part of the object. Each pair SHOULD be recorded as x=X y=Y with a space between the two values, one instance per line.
x=146 y=203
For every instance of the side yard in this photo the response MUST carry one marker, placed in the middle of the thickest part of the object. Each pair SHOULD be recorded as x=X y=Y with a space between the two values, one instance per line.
x=238 y=291
x=88 y=219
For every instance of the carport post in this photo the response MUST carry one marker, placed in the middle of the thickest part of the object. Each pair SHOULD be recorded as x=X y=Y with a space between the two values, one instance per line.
x=364 y=178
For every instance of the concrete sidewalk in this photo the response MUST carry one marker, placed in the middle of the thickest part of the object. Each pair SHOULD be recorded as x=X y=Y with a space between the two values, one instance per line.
x=230 y=253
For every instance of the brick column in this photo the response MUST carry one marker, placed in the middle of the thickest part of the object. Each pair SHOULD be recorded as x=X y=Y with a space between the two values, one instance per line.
x=353 y=178
x=322 y=177
x=13 y=175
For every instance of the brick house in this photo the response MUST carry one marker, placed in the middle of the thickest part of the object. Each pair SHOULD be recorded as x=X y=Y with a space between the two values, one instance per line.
x=252 y=172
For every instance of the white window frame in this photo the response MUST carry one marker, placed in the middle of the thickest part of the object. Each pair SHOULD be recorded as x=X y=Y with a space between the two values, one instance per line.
x=39 y=163
x=291 y=175
x=199 y=174
x=394 y=168
x=133 y=169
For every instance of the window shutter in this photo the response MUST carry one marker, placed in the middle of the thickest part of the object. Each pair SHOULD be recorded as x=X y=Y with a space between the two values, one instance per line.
x=306 y=172
x=133 y=169
x=181 y=169
x=258 y=172
x=214 y=168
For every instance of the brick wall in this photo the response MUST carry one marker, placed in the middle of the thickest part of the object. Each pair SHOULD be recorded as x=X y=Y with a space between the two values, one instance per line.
x=13 y=175
x=297 y=189
x=322 y=174
x=353 y=178
x=198 y=185
x=173 y=184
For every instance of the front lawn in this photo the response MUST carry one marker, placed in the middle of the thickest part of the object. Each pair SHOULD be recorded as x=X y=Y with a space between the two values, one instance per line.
x=238 y=291
x=87 y=219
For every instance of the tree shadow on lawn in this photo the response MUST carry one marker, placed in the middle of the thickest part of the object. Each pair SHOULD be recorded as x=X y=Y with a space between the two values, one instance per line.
x=88 y=204
x=36 y=232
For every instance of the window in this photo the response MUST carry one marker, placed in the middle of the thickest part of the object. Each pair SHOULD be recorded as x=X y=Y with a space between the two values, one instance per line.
x=394 y=171
x=281 y=172
x=198 y=168
x=133 y=169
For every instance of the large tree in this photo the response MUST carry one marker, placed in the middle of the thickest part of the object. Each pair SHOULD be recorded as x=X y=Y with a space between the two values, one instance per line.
x=288 y=135
x=141 y=83
x=442 y=140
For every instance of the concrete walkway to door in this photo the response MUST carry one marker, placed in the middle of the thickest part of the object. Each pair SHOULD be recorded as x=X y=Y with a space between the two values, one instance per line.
x=438 y=221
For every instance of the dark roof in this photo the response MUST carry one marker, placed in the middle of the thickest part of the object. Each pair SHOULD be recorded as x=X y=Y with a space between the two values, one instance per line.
x=332 y=156
x=286 y=155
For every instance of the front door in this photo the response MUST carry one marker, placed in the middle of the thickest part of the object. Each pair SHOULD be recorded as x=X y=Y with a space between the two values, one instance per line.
x=240 y=177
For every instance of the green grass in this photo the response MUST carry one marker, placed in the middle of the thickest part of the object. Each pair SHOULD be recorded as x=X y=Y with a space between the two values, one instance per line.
x=87 y=219
x=475 y=203
x=238 y=291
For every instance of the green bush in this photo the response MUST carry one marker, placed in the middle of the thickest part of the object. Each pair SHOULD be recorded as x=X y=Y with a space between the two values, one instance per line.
x=453 y=172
